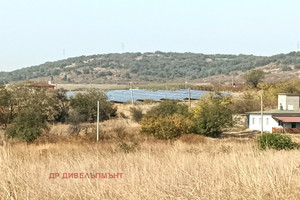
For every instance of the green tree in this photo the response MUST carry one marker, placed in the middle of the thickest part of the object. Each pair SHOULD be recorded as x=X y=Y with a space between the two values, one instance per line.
x=254 y=76
x=27 y=95
x=212 y=115
x=60 y=104
x=86 y=105
x=27 y=126
x=6 y=106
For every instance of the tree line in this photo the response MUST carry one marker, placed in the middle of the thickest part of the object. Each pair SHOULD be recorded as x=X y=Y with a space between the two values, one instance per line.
x=26 y=108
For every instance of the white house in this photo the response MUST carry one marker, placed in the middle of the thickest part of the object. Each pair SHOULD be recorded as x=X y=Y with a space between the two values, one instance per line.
x=286 y=118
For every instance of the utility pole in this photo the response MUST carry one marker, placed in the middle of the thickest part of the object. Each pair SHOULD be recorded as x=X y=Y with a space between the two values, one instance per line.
x=189 y=96
x=131 y=93
x=98 y=106
x=261 y=111
x=166 y=80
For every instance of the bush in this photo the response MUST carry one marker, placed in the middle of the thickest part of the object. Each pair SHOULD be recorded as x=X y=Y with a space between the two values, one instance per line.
x=27 y=126
x=86 y=105
x=212 y=115
x=168 y=108
x=276 y=141
x=75 y=119
x=136 y=114
x=166 y=127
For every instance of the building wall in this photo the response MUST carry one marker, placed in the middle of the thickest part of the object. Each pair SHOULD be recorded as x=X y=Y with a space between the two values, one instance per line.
x=268 y=123
x=288 y=102
x=294 y=101
x=282 y=102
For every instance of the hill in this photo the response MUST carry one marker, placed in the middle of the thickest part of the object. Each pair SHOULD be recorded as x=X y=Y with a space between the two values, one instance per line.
x=154 y=67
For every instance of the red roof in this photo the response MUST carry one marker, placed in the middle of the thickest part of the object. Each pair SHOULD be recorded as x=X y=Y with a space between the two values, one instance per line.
x=288 y=119
x=43 y=84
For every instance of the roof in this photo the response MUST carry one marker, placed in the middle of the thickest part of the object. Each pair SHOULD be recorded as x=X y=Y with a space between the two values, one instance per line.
x=43 y=84
x=276 y=112
x=287 y=119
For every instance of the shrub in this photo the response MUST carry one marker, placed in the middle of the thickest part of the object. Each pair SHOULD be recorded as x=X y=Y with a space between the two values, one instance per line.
x=75 y=119
x=168 y=108
x=276 y=141
x=212 y=115
x=253 y=77
x=27 y=126
x=166 y=127
x=86 y=104
x=136 y=114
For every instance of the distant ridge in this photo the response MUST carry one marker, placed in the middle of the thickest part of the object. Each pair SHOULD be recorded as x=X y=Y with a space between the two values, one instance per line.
x=152 y=67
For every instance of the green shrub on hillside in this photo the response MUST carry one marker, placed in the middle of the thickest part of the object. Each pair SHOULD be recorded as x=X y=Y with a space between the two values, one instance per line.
x=276 y=141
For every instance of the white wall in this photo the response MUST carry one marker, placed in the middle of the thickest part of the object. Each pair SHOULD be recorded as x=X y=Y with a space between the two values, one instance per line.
x=266 y=127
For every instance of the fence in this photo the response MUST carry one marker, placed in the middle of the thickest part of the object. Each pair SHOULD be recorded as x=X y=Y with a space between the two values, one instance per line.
x=285 y=130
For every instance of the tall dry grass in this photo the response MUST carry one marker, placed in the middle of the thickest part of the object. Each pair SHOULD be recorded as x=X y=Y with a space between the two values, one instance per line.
x=210 y=169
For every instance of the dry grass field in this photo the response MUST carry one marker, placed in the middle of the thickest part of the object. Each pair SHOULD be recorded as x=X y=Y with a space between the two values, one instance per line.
x=192 y=167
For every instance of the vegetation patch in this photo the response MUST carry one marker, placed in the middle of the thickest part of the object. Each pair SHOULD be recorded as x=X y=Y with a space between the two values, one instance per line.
x=276 y=141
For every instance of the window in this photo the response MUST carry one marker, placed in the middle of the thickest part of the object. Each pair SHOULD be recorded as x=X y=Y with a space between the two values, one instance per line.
x=267 y=121
x=293 y=124
x=253 y=120
x=259 y=121
x=290 y=107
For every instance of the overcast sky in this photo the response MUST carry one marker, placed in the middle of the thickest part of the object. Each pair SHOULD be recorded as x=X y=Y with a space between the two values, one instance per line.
x=35 y=31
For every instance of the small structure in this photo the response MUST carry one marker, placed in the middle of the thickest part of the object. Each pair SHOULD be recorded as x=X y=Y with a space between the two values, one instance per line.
x=44 y=85
x=284 y=119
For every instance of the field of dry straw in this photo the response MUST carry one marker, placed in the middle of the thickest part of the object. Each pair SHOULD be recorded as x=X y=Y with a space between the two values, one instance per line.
x=189 y=168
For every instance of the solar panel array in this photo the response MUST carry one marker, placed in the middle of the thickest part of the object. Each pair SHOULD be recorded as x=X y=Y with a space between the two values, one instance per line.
x=141 y=95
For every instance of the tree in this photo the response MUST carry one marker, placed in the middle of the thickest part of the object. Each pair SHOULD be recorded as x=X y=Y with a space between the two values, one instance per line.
x=60 y=105
x=86 y=105
x=6 y=111
x=27 y=95
x=254 y=76
x=211 y=115
x=27 y=126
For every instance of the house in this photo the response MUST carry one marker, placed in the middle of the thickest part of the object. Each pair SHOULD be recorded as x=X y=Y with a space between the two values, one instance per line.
x=284 y=119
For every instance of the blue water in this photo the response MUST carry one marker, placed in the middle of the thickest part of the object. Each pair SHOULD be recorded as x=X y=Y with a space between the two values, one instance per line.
x=125 y=95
